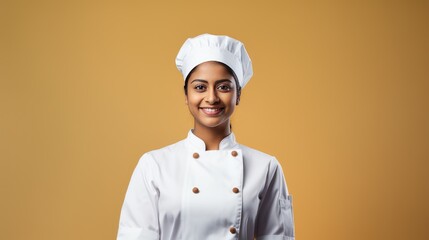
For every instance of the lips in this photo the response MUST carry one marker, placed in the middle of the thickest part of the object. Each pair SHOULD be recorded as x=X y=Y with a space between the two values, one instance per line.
x=212 y=111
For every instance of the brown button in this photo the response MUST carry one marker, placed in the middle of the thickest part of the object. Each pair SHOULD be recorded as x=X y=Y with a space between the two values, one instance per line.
x=233 y=230
x=196 y=155
x=195 y=190
x=234 y=153
x=235 y=190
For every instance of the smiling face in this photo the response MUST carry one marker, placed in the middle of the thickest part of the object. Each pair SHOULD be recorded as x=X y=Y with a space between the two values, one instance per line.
x=211 y=95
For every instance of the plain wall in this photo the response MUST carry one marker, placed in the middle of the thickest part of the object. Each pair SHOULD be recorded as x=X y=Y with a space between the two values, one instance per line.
x=339 y=96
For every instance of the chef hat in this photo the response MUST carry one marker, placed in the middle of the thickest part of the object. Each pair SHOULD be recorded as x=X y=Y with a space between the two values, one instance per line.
x=224 y=49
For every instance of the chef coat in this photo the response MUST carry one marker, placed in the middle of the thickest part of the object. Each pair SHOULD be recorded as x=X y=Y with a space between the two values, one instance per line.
x=184 y=191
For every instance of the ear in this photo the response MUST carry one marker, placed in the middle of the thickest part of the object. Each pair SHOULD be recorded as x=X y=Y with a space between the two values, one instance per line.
x=238 y=101
x=186 y=99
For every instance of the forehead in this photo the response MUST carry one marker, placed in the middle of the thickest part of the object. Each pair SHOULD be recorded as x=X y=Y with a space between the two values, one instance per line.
x=211 y=71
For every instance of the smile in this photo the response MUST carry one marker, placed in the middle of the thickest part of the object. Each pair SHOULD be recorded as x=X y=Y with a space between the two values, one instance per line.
x=212 y=111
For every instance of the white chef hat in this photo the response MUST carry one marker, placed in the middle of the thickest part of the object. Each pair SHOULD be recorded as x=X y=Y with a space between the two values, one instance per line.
x=208 y=47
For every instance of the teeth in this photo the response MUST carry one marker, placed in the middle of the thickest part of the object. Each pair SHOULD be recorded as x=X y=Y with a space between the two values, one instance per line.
x=211 y=109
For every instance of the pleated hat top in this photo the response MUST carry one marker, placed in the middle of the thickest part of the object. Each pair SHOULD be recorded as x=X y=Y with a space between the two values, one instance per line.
x=208 y=47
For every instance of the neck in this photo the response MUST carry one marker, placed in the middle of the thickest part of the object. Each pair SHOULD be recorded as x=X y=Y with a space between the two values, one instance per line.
x=212 y=136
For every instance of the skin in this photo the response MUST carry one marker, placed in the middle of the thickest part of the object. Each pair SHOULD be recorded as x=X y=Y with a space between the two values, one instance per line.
x=211 y=86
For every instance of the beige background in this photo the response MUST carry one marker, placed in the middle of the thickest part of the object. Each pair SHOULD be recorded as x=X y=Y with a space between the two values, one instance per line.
x=339 y=96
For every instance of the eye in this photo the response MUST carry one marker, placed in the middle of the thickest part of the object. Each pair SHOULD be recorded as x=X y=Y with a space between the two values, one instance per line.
x=224 y=87
x=199 y=87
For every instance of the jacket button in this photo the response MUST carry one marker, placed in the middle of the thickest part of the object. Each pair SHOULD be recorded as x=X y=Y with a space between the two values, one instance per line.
x=232 y=230
x=196 y=155
x=234 y=153
x=235 y=190
x=195 y=190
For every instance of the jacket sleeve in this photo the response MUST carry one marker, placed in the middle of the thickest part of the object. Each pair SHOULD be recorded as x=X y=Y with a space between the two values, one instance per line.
x=139 y=214
x=275 y=215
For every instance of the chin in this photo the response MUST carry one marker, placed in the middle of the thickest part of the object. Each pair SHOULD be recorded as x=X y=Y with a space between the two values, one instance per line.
x=211 y=124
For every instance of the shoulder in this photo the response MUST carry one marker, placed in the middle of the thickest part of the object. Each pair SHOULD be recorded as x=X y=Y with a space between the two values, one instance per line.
x=258 y=157
x=251 y=152
x=172 y=148
x=153 y=157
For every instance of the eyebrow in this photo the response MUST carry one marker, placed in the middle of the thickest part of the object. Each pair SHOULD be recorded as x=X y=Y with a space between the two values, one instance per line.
x=217 y=81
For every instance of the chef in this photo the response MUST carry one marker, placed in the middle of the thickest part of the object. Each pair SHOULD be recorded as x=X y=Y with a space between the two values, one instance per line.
x=207 y=186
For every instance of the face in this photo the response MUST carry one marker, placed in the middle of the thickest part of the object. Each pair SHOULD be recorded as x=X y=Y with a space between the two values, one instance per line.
x=212 y=95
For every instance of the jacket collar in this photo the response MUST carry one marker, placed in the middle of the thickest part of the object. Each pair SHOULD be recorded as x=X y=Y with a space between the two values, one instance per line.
x=198 y=144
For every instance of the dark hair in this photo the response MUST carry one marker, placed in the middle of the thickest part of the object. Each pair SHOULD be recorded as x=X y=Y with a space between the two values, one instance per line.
x=230 y=71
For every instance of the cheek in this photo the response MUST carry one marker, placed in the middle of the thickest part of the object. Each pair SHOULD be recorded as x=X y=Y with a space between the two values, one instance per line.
x=192 y=101
x=231 y=99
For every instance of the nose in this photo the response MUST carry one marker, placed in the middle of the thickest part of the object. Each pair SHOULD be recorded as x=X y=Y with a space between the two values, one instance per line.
x=212 y=97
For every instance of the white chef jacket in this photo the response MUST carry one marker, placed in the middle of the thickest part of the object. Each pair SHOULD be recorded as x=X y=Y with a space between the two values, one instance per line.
x=184 y=192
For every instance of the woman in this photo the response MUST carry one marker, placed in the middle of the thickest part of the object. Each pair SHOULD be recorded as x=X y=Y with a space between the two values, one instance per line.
x=208 y=186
